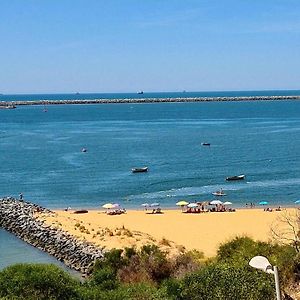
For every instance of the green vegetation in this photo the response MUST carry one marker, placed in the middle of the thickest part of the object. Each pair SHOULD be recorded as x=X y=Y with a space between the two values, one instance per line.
x=149 y=274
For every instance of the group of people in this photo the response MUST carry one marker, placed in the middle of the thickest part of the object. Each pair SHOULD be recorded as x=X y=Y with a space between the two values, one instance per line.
x=117 y=211
x=269 y=209
x=222 y=208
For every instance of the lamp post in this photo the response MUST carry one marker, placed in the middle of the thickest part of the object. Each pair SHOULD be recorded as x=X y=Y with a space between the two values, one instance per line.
x=262 y=263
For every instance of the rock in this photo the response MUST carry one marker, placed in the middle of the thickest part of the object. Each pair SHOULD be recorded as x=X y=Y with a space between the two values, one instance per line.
x=18 y=218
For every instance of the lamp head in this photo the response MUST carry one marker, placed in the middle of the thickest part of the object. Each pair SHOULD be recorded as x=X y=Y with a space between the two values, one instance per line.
x=261 y=263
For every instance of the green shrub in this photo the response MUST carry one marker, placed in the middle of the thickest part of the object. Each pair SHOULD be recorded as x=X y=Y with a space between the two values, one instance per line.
x=104 y=278
x=240 y=250
x=225 y=282
x=172 y=288
x=155 y=262
x=112 y=259
x=129 y=252
x=140 y=291
x=37 y=281
x=125 y=292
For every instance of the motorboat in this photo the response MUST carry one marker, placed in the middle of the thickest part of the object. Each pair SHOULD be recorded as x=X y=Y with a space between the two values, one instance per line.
x=139 y=170
x=10 y=106
x=237 y=177
x=83 y=150
x=219 y=193
x=205 y=144
x=140 y=92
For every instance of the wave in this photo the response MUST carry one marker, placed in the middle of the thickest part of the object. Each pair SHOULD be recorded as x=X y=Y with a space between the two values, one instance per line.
x=208 y=189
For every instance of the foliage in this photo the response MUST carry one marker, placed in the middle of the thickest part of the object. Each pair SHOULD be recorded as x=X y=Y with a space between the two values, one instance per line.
x=112 y=259
x=149 y=274
x=104 y=278
x=224 y=282
x=240 y=250
x=37 y=281
x=141 y=291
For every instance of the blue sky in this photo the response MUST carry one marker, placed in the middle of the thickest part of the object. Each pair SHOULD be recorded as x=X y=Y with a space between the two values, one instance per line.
x=54 y=46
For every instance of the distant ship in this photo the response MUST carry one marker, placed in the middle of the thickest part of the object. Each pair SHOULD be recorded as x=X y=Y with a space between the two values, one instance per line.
x=140 y=92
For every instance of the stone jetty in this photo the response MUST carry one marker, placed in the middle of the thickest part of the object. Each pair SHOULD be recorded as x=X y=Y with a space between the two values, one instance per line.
x=13 y=104
x=19 y=218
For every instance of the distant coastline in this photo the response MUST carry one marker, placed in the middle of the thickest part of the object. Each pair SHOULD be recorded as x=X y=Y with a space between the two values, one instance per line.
x=151 y=100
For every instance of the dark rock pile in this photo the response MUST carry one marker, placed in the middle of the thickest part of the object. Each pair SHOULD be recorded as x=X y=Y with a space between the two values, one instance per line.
x=149 y=100
x=18 y=217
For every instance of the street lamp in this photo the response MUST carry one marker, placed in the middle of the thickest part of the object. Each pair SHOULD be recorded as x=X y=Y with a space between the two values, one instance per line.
x=262 y=263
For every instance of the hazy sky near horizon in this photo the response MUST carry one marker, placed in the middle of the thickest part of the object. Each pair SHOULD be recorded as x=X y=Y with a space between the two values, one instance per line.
x=55 y=46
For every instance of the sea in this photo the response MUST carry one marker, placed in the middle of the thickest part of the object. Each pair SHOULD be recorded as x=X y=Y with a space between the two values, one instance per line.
x=41 y=154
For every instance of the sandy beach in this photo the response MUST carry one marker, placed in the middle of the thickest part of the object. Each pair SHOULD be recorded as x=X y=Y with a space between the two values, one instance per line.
x=170 y=230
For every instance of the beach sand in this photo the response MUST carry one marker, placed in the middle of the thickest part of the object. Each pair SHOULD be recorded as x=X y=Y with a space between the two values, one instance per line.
x=171 y=230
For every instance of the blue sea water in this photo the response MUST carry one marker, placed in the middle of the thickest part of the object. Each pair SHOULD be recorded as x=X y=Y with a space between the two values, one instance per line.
x=41 y=153
x=14 y=250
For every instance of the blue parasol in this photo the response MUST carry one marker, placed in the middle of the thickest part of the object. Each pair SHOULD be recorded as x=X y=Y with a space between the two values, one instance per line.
x=263 y=203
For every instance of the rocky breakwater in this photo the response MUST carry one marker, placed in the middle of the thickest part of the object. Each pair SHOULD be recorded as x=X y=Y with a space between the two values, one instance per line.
x=20 y=218
x=14 y=104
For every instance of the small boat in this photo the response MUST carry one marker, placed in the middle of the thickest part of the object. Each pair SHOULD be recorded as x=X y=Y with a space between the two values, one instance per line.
x=140 y=92
x=83 y=150
x=12 y=106
x=205 y=144
x=219 y=193
x=139 y=170
x=237 y=177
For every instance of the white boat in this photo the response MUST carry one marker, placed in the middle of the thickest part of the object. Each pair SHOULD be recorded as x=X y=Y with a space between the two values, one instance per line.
x=139 y=170
x=219 y=193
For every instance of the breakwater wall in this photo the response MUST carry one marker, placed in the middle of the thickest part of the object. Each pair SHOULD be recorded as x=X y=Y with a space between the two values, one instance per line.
x=18 y=217
x=11 y=104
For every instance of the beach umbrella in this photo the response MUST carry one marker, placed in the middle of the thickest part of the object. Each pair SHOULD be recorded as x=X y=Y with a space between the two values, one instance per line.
x=297 y=202
x=116 y=205
x=108 y=205
x=227 y=203
x=215 y=202
x=192 y=205
x=145 y=204
x=263 y=203
x=182 y=203
x=154 y=204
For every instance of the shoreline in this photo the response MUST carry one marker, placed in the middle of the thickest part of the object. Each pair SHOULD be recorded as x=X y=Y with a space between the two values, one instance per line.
x=200 y=231
x=14 y=104
x=79 y=239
